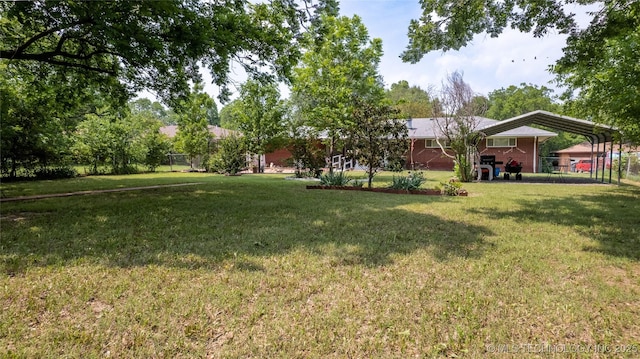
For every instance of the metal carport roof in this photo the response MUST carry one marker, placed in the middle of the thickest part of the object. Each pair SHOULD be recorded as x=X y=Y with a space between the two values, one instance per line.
x=596 y=132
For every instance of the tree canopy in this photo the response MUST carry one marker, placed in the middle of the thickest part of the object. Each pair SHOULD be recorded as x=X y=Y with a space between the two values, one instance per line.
x=154 y=109
x=517 y=100
x=450 y=25
x=260 y=114
x=334 y=71
x=37 y=116
x=159 y=45
x=193 y=135
x=600 y=62
x=601 y=68
x=379 y=137
x=411 y=101
x=229 y=115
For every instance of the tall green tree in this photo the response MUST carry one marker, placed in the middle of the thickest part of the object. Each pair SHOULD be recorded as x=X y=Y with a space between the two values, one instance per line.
x=600 y=62
x=518 y=100
x=159 y=45
x=601 y=68
x=193 y=137
x=213 y=117
x=411 y=101
x=108 y=139
x=379 y=137
x=37 y=116
x=230 y=115
x=260 y=115
x=154 y=109
x=341 y=66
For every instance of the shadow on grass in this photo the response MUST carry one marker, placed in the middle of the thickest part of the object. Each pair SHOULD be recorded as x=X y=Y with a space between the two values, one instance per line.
x=612 y=218
x=205 y=226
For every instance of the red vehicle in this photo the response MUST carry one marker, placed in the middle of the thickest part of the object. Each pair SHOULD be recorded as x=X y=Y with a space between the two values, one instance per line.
x=583 y=166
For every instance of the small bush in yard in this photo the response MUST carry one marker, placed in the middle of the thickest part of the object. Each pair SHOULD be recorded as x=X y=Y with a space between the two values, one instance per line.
x=230 y=157
x=411 y=182
x=55 y=173
x=451 y=188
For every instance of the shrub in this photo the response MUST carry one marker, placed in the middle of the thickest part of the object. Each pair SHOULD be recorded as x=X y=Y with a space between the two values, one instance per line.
x=230 y=158
x=334 y=179
x=412 y=181
x=55 y=173
x=451 y=188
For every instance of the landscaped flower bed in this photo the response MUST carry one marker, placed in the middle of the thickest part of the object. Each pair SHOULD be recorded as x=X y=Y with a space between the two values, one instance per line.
x=426 y=192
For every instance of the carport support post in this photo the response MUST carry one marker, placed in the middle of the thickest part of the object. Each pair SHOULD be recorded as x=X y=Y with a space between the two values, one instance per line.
x=592 y=162
x=604 y=158
x=611 y=160
x=535 y=154
x=619 y=160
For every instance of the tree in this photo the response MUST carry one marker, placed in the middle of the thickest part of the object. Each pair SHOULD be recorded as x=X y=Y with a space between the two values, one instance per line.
x=155 y=109
x=230 y=157
x=213 y=118
x=457 y=128
x=411 y=101
x=108 y=139
x=230 y=115
x=450 y=25
x=193 y=137
x=599 y=62
x=37 y=117
x=260 y=114
x=378 y=137
x=303 y=142
x=600 y=68
x=159 y=45
x=515 y=101
x=156 y=145
x=341 y=66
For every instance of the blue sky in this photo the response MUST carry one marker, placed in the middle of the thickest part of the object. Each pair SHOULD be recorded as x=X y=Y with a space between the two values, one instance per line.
x=487 y=63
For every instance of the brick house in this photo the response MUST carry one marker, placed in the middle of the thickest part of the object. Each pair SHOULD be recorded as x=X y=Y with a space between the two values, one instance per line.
x=596 y=153
x=520 y=144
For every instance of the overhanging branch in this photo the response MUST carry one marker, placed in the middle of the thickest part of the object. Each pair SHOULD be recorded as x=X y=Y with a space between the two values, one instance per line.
x=21 y=49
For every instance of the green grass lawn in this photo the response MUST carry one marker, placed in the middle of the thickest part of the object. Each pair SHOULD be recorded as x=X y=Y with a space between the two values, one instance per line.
x=258 y=266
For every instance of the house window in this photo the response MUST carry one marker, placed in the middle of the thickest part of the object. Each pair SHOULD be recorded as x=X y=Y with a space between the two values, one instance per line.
x=432 y=143
x=501 y=142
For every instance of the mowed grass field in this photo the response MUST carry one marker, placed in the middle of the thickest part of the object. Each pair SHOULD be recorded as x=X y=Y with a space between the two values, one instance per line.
x=258 y=266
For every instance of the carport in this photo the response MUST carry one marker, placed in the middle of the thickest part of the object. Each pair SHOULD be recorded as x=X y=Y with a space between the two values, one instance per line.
x=596 y=134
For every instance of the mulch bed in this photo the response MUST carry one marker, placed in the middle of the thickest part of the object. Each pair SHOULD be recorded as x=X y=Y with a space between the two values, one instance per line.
x=424 y=192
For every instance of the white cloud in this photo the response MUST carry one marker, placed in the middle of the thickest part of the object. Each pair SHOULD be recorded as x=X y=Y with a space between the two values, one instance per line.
x=487 y=63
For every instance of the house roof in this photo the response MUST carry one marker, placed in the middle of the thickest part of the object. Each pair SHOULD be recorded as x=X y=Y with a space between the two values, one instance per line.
x=426 y=128
x=218 y=132
x=596 y=132
x=586 y=147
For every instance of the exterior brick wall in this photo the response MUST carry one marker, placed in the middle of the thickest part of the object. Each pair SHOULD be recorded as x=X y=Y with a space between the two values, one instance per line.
x=432 y=158
x=277 y=157
x=422 y=157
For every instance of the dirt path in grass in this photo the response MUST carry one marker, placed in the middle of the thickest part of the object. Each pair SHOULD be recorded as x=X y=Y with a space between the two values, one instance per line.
x=81 y=193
